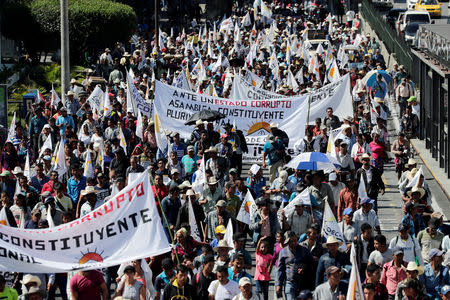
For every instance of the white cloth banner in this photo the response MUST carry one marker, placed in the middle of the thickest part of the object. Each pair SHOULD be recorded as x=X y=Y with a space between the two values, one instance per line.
x=253 y=116
x=137 y=101
x=125 y=228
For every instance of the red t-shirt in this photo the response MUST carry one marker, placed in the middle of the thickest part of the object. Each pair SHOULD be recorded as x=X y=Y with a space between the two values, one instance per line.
x=88 y=287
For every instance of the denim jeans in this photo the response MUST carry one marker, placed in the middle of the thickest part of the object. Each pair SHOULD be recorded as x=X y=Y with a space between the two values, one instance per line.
x=290 y=291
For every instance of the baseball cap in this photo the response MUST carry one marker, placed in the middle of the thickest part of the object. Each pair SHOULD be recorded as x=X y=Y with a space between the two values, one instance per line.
x=190 y=148
x=397 y=250
x=221 y=203
x=129 y=268
x=435 y=252
x=445 y=289
x=348 y=211
x=221 y=229
x=244 y=281
x=367 y=201
x=332 y=177
x=403 y=226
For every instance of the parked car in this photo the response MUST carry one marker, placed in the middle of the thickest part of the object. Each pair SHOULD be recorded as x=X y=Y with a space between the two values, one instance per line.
x=410 y=31
x=433 y=7
x=392 y=15
x=412 y=16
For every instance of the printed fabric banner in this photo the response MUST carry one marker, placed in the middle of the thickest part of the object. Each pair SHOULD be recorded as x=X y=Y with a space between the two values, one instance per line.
x=253 y=116
x=125 y=228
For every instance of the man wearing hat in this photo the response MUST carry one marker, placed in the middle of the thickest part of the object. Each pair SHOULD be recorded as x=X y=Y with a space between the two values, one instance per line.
x=412 y=164
x=332 y=288
x=365 y=214
x=211 y=194
x=445 y=292
x=273 y=153
x=372 y=178
x=37 y=123
x=409 y=244
x=63 y=121
x=183 y=213
x=245 y=285
x=349 y=229
x=90 y=202
x=394 y=272
x=430 y=238
x=294 y=268
x=333 y=257
x=379 y=88
x=409 y=123
x=106 y=62
x=414 y=103
x=435 y=276
x=403 y=92
x=215 y=218
x=196 y=133
x=189 y=162
x=236 y=146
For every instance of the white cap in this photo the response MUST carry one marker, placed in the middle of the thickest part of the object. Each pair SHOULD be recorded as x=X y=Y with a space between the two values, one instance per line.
x=332 y=177
x=244 y=281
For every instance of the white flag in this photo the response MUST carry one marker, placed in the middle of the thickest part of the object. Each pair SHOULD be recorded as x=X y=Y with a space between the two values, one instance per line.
x=60 y=161
x=101 y=156
x=195 y=233
x=248 y=209
x=47 y=145
x=200 y=179
x=304 y=198
x=355 y=291
x=49 y=218
x=265 y=10
x=88 y=166
x=26 y=169
x=122 y=140
x=160 y=135
x=333 y=72
x=4 y=217
x=229 y=234
x=55 y=98
x=140 y=126
x=12 y=129
x=330 y=226
x=415 y=179
x=107 y=107
x=246 y=21
x=362 y=192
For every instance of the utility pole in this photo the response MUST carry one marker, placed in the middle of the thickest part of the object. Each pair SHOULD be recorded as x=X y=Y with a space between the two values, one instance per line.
x=65 y=63
x=156 y=8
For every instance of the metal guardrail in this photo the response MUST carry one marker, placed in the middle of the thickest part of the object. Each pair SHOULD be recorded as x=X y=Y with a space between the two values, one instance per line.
x=394 y=43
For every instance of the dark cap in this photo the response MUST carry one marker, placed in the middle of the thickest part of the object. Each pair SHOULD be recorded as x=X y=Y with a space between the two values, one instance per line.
x=167 y=264
x=129 y=268
x=43 y=223
x=403 y=226
x=49 y=200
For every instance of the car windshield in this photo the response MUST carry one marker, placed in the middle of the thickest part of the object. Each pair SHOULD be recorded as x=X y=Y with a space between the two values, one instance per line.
x=418 y=18
x=428 y=2
x=411 y=29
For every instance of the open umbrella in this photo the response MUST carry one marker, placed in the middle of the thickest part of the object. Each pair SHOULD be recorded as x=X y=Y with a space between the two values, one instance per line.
x=371 y=77
x=311 y=161
x=205 y=115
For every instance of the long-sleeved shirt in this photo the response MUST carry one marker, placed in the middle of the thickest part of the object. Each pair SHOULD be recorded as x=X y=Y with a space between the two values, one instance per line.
x=289 y=262
x=37 y=124
x=434 y=282
x=326 y=261
x=170 y=208
x=347 y=198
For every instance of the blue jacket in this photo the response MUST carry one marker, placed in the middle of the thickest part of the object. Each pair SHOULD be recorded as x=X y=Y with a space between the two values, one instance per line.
x=326 y=261
x=434 y=283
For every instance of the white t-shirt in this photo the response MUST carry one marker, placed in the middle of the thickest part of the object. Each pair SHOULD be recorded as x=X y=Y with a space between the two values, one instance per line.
x=224 y=292
x=376 y=257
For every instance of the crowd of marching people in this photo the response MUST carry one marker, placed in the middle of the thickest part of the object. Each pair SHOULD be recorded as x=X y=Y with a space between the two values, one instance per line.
x=67 y=159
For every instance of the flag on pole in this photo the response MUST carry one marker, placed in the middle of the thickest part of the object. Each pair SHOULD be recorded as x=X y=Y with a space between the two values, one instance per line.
x=47 y=145
x=333 y=72
x=60 y=161
x=248 y=209
x=331 y=147
x=362 y=192
x=12 y=129
x=265 y=10
x=4 y=217
x=26 y=169
x=107 y=107
x=355 y=290
x=303 y=198
x=55 y=98
x=139 y=126
x=229 y=234
x=101 y=157
x=415 y=179
x=88 y=166
x=195 y=233
x=330 y=226
x=122 y=140
x=246 y=21
x=160 y=135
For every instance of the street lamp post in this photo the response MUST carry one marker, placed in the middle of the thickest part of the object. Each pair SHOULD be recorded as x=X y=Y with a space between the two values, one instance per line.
x=65 y=64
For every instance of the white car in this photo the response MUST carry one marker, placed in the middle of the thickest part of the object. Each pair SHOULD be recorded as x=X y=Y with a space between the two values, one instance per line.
x=422 y=17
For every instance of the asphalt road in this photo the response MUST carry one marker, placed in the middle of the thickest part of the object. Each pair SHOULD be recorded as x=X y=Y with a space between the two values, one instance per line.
x=444 y=16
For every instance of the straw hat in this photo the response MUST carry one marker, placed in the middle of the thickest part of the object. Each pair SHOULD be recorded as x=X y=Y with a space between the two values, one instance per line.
x=412 y=266
x=417 y=190
x=88 y=190
x=30 y=278
x=332 y=240
x=412 y=173
x=222 y=244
